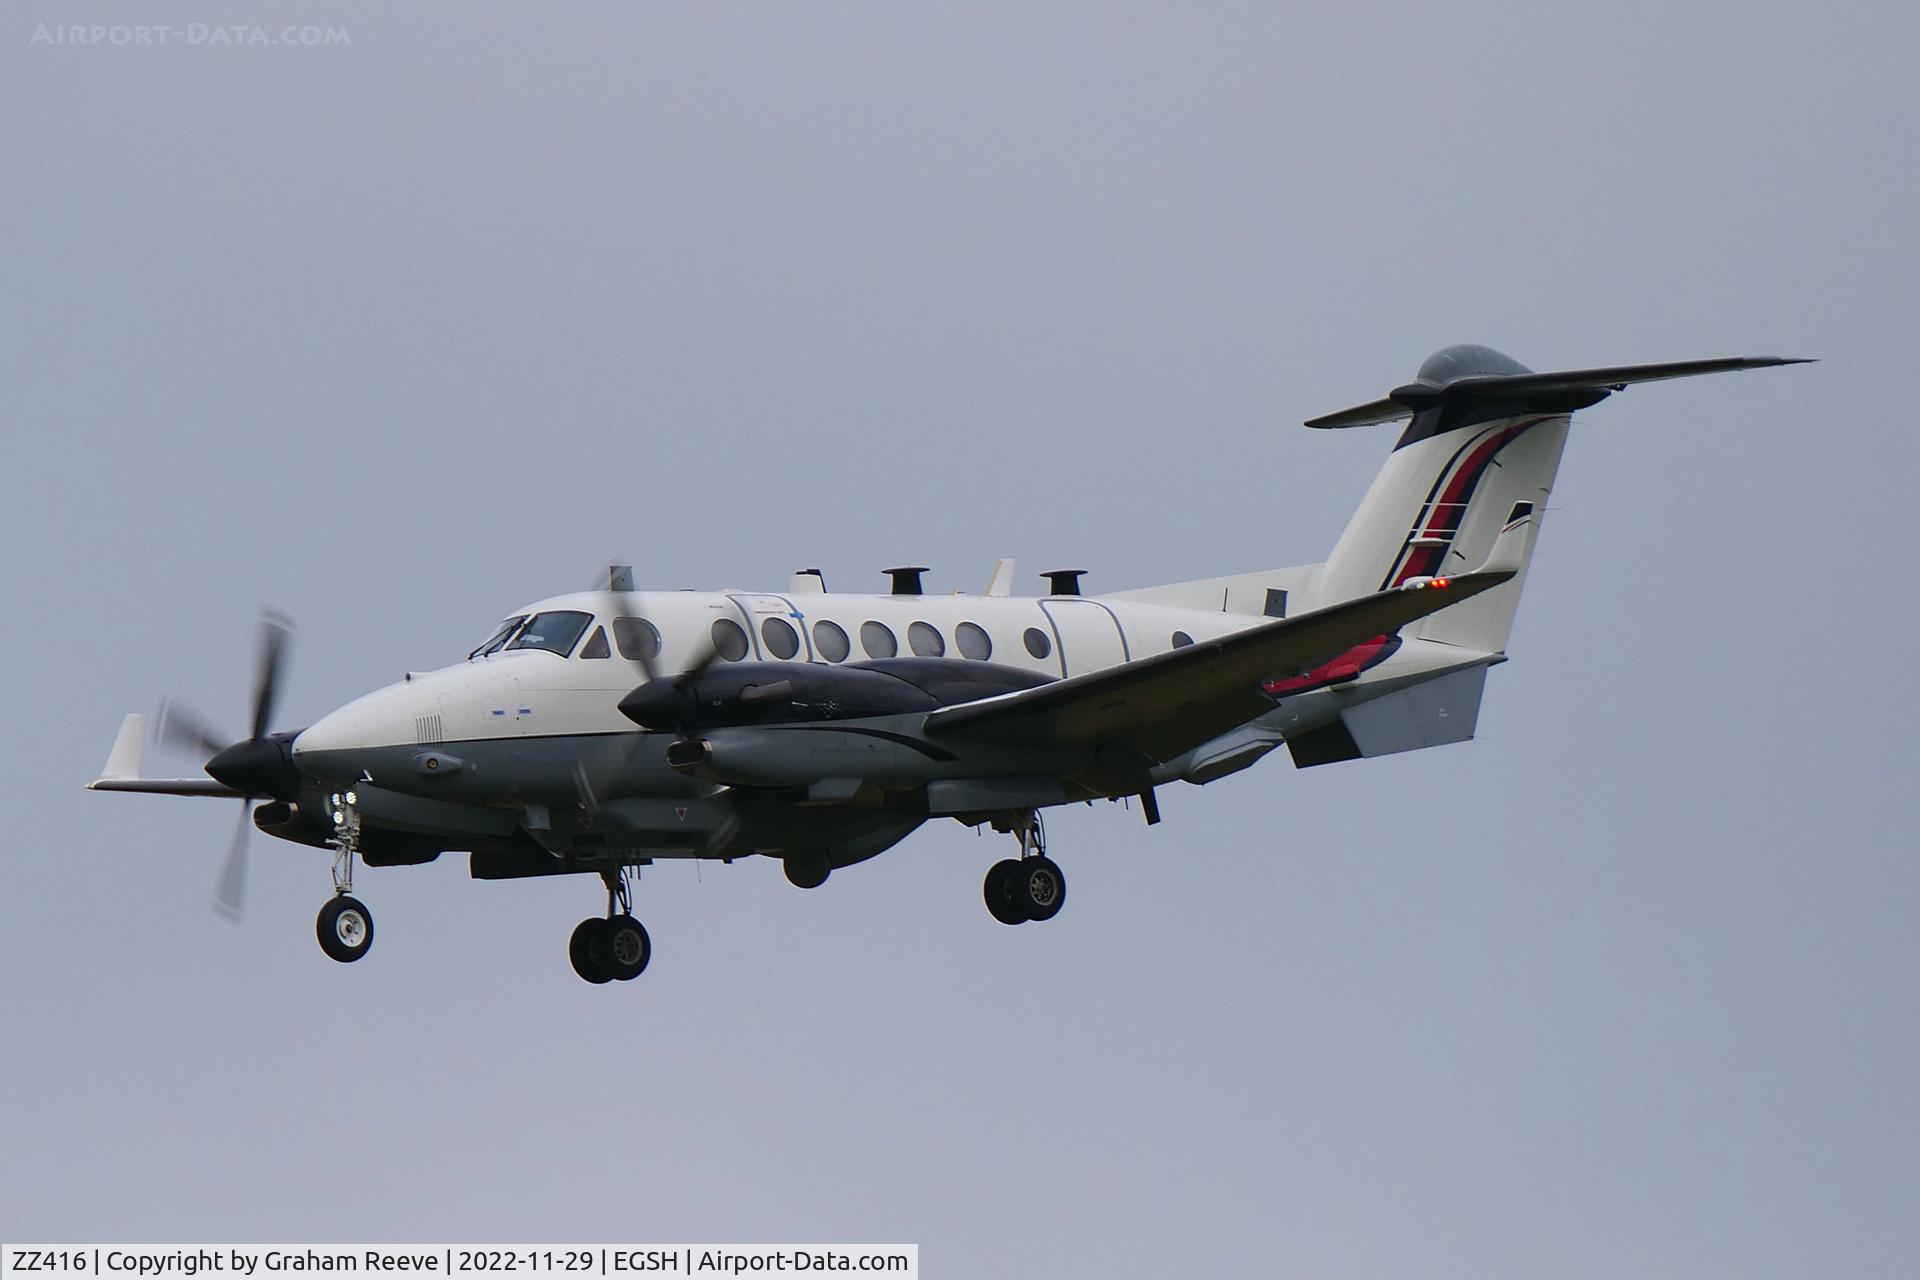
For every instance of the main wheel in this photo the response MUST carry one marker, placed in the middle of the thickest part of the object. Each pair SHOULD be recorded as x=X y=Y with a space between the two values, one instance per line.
x=1040 y=888
x=581 y=949
x=1002 y=903
x=621 y=948
x=807 y=870
x=345 y=928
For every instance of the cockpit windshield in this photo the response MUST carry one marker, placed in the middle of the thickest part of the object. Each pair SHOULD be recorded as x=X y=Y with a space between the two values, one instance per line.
x=500 y=636
x=556 y=632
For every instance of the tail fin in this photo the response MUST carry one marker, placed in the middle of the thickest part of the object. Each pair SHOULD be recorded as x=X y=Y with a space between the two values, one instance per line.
x=1478 y=457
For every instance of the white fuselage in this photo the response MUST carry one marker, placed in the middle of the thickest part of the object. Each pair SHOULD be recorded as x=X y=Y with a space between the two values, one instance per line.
x=529 y=692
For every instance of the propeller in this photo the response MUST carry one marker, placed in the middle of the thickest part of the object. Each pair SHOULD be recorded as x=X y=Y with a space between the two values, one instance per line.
x=663 y=700
x=257 y=767
x=667 y=701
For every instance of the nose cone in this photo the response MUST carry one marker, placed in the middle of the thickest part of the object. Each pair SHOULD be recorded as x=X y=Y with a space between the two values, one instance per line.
x=331 y=749
x=257 y=767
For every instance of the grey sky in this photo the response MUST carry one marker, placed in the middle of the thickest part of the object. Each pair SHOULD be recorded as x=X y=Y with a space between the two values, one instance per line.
x=398 y=334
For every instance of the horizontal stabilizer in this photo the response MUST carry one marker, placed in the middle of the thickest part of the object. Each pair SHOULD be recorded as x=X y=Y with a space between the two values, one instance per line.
x=1527 y=391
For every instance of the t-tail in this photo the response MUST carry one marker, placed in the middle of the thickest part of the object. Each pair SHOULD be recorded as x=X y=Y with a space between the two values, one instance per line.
x=1478 y=456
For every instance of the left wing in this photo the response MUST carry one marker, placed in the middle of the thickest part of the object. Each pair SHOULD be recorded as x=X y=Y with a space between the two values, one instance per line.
x=1173 y=702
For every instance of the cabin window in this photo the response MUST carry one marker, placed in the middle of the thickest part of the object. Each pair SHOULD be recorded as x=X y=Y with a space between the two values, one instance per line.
x=830 y=641
x=596 y=645
x=877 y=640
x=638 y=639
x=730 y=639
x=781 y=640
x=973 y=641
x=501 y=634
x=1037 y=642
x=926 y=640
x=556 y=632
x=1181 y=639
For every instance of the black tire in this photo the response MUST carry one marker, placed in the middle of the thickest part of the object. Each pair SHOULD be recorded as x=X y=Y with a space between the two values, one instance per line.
x=1040 y=887
x=345 y=928
x=1002 y=902
x=622 y=948
x=807 y=870
x=581 y=949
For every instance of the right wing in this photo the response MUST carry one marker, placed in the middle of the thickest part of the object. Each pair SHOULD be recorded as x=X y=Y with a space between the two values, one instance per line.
x=123 y=770
x=1172 y=702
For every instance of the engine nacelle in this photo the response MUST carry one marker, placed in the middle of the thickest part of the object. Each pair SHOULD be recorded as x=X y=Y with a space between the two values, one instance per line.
x=295 y=820
x=309 y=822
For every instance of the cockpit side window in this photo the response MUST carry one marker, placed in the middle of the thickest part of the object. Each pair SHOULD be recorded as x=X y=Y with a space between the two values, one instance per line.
x=596 y=645
x=556 y=632
x=500 y=636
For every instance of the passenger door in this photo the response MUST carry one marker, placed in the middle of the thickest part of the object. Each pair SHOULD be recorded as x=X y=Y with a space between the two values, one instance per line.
x=1089 y=635
x=757 y=609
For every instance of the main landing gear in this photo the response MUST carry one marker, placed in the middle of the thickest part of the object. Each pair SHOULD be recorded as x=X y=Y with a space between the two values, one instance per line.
x=345 y=926
x=1030 y=887
x=616 y=948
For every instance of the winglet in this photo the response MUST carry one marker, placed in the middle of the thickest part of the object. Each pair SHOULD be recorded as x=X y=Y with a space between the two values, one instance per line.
x=1509 y=554
x=1507 y=558
x=123 y=762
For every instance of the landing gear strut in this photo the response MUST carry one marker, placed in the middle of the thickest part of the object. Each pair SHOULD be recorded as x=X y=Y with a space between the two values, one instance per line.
x=1030 y=887
x=345 y=926
x=616 y=948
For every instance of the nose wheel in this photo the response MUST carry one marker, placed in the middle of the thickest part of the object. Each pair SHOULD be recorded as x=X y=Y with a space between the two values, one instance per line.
x=613 y=948
x=1029 y=887
x=345 y=928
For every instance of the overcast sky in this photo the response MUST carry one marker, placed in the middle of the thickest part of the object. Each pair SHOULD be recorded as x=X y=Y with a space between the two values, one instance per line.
x=397 y=333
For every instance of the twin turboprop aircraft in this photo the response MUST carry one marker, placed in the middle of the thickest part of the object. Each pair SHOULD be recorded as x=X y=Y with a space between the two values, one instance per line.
x=599 y=731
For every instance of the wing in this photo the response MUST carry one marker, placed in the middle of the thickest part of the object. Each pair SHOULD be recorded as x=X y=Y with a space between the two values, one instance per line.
x=1173 y=702
x=122 y=772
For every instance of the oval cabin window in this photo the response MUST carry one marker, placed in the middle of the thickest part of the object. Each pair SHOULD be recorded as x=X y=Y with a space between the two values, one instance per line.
x=730 y=639
x=926 y=640
x=781 y=640
x=973 y=641
x=877 y=640
x=830 y=642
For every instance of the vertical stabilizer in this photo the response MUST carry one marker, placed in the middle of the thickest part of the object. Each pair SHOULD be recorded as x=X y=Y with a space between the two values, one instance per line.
x=1460 y=473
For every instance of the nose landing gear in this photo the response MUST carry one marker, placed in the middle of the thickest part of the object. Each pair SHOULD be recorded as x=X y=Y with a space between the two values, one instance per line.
x=1030 y=887
x=345 y=926
x=615 y=948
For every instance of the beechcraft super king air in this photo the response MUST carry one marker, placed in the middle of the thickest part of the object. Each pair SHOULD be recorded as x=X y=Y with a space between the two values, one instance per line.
x=599 y=731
